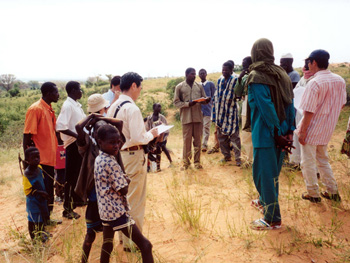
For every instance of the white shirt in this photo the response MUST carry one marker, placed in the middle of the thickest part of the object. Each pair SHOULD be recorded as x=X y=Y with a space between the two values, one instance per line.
x=71 y=113
x=133 y=126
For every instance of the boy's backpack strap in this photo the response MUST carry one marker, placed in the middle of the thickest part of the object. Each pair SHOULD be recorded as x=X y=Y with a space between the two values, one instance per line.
x=118 y=108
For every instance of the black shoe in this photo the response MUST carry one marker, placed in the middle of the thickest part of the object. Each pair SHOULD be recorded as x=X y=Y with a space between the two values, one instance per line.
x=70 y=215
x=306 y=196
x=334 y=197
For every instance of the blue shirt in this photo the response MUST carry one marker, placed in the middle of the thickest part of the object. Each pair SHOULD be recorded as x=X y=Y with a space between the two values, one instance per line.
x=264 y=118
x=109 y=96
x=209 y=88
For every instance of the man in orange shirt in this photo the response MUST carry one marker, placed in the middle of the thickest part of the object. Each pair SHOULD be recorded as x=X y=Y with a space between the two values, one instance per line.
x=39 y=131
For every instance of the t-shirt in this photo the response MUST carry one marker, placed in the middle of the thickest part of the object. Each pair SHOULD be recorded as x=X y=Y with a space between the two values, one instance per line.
x=109 y=179
x=294 y=76
x=40 y=122
x=209 y=88
x=71 y=113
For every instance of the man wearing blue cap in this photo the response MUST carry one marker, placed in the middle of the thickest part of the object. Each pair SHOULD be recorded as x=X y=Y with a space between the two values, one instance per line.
x=322 y=102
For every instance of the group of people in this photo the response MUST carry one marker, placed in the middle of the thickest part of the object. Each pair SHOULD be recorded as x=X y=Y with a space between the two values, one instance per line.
x=269 y=126
x=106 y=161
x=106 y=164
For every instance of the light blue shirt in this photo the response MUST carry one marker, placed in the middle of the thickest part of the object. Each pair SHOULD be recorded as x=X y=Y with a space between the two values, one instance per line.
x=109 y=96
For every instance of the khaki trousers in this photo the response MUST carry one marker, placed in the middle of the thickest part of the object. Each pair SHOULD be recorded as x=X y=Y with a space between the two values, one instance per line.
x=135 y=165
x=192 y=130
x=312 y=157
x=247 y=141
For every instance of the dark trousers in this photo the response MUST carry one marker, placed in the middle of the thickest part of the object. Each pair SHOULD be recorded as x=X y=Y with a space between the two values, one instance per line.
x=73 y=164
x=49 y=175
x=266 y=169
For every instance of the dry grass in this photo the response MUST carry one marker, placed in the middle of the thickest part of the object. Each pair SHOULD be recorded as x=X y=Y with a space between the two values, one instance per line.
x=198 y=216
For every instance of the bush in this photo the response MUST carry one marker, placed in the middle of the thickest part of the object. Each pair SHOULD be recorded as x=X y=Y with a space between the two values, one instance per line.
x=14 y=92
x=170 y=86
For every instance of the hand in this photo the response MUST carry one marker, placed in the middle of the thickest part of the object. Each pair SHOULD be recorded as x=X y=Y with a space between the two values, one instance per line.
x=192 y=103
x=302 y=137
x=284 y=143
x=154 y=132
x=208 y=100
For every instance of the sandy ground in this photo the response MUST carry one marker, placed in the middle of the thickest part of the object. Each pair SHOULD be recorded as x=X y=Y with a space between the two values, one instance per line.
x=198 y=216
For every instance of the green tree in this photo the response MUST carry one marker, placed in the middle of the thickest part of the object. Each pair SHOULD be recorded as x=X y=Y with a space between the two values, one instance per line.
x=34 y=84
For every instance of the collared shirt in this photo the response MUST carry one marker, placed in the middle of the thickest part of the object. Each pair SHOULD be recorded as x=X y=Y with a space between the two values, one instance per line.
x=182 y=97
x=133 y=126
x=324 y=96
x=40 y=122
x=71 y=113
x=109 y=96
x=209 y=89
x=109 y=179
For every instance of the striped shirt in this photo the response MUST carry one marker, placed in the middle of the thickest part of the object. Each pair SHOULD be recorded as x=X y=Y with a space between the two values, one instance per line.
x=324 y=96
x=225 y=112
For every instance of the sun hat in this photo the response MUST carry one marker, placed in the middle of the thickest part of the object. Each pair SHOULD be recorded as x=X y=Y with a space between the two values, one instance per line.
x=96 y=103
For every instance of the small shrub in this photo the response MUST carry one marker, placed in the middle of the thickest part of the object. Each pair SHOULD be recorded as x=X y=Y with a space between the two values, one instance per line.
x=170 y=86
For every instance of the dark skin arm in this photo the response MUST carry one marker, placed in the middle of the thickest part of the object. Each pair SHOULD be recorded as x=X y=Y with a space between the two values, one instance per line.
x=27 y=141
x=80 y=126
x=69 y=133
x=124 y=190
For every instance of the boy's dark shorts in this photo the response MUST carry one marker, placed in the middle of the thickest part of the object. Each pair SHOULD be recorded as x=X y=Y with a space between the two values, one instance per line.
x=122 y=222
x=92 y=217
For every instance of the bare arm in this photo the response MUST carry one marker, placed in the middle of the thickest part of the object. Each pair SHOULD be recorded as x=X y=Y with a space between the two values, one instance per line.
x=124 y=190
x=80 y=126
x=69 y=133
x=304 y=126
x=27 y=141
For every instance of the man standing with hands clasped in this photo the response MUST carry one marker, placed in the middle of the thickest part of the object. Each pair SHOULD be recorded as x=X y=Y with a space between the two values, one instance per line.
x=186 y=97
x=322 y=102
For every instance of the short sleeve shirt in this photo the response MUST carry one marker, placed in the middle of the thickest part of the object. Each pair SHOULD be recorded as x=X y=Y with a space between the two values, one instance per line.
x=109 y=179
x=40 y=122
x=71 y=113
x=324 y=96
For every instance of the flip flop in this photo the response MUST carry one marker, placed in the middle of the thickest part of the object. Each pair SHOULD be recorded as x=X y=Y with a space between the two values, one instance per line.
x=261 y=224
x=256 y=204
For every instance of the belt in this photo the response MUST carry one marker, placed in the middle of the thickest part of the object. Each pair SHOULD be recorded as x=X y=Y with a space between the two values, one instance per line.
x=133 y=148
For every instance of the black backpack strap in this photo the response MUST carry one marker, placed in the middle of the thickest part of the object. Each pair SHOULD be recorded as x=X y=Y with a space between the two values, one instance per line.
x=118 y=108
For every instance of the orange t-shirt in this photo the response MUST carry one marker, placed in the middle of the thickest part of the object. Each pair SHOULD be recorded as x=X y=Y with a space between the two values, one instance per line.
x=40 y=122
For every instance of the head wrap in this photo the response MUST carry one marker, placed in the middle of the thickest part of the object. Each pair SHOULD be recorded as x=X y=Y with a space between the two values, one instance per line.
x=264 y=71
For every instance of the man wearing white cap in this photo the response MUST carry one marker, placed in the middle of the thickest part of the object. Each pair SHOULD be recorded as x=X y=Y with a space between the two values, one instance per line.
x=286 y=63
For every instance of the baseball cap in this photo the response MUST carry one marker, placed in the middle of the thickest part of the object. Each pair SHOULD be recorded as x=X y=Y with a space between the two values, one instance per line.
x=319 y=54
x=96 y=103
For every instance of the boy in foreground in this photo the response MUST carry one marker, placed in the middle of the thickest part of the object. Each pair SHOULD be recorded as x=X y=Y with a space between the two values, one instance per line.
x=87 y=146
x=111 y=190
x=36 y=195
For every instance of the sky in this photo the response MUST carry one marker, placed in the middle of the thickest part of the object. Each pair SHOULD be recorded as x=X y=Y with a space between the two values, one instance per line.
x=75 y=39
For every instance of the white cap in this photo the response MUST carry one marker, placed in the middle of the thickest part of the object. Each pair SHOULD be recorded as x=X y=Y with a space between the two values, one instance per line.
x=287 y=55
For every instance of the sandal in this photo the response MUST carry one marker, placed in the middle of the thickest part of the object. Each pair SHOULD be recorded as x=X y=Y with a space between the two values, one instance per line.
x=306 y=196
x=334 y=197
x=261 y=224
x=256 y=204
